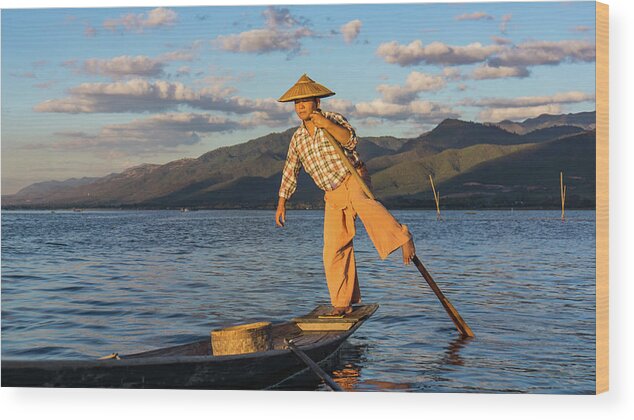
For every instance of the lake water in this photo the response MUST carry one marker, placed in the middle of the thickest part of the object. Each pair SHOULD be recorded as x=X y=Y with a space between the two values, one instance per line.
x=84 y=285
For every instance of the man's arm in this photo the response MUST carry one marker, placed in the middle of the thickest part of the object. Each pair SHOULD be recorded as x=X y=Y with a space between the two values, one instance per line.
x=280 y=214
x=289 y=183
x=344 y=135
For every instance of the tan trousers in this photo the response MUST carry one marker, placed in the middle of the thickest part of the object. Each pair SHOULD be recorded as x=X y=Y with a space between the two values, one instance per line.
x=341 y=209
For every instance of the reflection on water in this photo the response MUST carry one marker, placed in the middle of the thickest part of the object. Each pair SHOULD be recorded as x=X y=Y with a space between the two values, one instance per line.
x=347 y=377
x=83 y=285
x=452 y=355
x=385 y=385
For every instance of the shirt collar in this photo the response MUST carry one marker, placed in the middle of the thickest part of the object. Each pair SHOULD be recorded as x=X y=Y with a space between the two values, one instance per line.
x=303 y=126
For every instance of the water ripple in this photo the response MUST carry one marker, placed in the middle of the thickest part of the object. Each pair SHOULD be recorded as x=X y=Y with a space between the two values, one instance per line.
x=82 y=285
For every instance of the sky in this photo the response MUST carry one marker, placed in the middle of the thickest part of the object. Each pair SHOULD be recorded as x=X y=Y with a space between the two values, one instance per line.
x=92 y=91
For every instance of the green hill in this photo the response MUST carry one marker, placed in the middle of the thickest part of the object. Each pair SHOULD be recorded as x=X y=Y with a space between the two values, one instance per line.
x=411 y=176
x=530 y=177
x=473 y=165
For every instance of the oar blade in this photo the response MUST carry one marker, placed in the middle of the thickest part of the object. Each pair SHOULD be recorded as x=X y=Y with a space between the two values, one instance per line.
x=462 y=326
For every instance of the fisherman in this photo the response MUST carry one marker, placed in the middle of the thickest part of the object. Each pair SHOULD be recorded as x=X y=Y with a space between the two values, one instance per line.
x=344 y=197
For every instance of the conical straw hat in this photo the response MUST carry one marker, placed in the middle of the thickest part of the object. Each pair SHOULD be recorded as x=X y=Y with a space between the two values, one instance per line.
x=305 y=88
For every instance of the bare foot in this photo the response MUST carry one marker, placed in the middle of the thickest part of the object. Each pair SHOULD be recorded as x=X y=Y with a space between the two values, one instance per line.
x=409 y=251
x=336 y=311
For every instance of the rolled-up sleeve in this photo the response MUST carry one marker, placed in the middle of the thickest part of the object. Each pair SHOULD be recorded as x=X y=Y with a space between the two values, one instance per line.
x=342 y=121
x=290 y=172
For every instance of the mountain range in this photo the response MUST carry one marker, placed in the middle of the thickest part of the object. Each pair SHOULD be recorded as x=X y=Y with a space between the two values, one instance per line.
x=474 y=165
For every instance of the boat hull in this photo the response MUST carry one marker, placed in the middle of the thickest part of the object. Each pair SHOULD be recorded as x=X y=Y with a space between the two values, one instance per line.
x=193 y=372
x=189 y=366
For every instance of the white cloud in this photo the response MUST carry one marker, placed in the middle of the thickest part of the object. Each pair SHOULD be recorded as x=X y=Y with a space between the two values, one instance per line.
x=532 y=101
x=474 y=16
x=504 y=25
x=500 y=40
x=435 y=53
x=582 y=28
x=239 y=105
x=519 y=113
x=153 y=134
x=131 y=66
x=45 y=85
x=263 y=40
x=419 y=111
x=136 y=95
x=160 y=17
x=183 y=71
x=488 y=72
x=379 y=108
x=500 y=54
x=351 y=30
x=67 y=105
x=282 y=32
x=138 y=88
x=546 y=53
x=70 y=64
x=498 y=109
x=217 y=77
x=416 y=82
x=124 y=65
x=181 y=122
x=139 y=95
x=157 y=133
x=342 y=106
x=179 y=55
x=280 y=17
x=259 y=119
x=451 y=73
x=138 y=22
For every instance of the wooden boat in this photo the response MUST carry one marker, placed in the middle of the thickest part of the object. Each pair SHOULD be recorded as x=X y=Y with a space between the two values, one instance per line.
x=192 y=366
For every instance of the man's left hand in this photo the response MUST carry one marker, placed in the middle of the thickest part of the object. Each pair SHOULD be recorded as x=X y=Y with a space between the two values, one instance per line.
x=339 y=133
x=319 y=120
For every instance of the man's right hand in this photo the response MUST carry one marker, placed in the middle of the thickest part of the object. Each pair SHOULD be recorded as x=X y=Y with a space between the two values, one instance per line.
x=280 y=214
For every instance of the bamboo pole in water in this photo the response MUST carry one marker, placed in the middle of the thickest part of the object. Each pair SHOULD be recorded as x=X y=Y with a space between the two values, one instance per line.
x=436 y=197
x=562 y=193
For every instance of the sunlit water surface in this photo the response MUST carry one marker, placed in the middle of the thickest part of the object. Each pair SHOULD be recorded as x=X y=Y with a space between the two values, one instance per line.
x=83 y=285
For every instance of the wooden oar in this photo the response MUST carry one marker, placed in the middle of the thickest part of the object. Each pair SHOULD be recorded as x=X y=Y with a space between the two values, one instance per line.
x=348 y=164
x=462 y=326
x=313 y=366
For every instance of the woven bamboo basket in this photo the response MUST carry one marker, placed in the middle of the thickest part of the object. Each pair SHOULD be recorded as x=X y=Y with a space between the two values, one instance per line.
x=241 y=339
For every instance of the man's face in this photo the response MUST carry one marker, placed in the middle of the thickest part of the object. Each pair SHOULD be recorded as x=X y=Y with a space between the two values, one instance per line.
x=305 y=107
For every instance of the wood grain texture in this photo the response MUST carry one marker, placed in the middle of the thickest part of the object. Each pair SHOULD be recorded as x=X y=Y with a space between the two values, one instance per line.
x=313 y=322
x=602 y=198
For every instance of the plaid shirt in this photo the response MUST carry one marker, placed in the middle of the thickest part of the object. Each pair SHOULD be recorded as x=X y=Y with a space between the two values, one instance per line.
x=318 y=157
